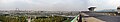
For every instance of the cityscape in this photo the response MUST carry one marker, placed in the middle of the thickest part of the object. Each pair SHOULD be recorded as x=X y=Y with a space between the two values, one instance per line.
x=59 y=10
x=60 y=16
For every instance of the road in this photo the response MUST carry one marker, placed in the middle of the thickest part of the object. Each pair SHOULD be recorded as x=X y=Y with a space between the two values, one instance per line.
x=105 y=17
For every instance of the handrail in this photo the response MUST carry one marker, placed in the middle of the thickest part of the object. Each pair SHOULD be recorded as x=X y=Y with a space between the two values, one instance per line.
x=75 y=19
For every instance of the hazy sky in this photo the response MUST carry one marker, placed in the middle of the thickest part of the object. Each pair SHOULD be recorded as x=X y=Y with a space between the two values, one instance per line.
x=57 y=5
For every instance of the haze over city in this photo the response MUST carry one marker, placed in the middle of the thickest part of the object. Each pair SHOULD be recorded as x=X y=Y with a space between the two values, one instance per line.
x=57 y=5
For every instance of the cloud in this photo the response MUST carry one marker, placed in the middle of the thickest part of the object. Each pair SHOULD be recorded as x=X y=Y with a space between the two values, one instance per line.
x=105 y=3
x=50 y=5
x=58 y=5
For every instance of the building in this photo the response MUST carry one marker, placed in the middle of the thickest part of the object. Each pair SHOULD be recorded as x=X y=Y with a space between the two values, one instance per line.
x=91 y=8
x=118 y=9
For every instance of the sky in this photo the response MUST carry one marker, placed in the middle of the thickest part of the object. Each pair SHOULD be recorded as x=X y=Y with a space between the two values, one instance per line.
x=57 y=5
x=104 y=4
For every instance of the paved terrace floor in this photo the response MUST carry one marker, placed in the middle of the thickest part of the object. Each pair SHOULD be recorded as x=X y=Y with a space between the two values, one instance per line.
x=105 y=17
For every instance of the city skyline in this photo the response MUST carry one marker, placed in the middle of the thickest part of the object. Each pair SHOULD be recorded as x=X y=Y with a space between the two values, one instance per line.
x=57 y=5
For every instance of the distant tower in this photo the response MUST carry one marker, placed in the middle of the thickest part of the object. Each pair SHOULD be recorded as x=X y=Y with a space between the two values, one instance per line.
x=91 y=8
x=17 y=10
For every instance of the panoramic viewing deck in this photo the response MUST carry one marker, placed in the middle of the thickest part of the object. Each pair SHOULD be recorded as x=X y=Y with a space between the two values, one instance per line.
x=59 y=10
